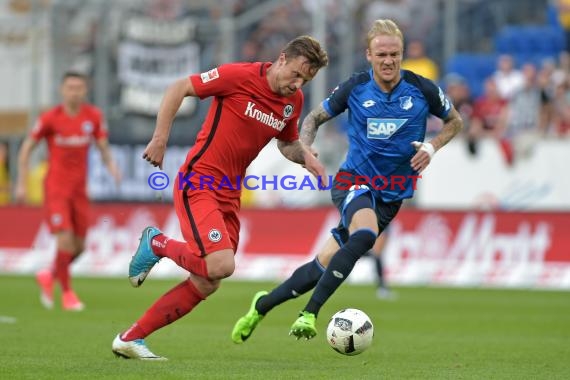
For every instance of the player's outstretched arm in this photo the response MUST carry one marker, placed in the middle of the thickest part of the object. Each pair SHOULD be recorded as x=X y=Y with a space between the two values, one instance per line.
x=23 y=163
x=103 y=146
x=175 y=93
x=311 y=124
x=425 y=151
x=453 y=124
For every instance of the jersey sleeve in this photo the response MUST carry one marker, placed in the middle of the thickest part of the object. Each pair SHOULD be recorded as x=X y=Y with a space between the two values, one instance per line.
x=219 y=81
x=337 y=102
x=41 y=128
x=439 y=103
x=101 y=130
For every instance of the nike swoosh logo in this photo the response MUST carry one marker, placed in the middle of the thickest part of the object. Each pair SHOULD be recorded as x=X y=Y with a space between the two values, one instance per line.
x=244 y=337
x=140 y=281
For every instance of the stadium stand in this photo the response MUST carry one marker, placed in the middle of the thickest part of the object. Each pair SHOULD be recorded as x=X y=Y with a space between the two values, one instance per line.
x=526 y=44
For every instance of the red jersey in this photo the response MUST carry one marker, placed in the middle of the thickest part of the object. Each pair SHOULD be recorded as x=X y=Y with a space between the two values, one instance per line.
x=244 y=116
x=68 y=139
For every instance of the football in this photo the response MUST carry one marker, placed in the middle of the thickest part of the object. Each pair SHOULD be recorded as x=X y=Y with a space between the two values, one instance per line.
x=350 y=332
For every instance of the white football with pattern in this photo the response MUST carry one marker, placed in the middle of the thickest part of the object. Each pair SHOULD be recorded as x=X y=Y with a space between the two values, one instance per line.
x=350 y=332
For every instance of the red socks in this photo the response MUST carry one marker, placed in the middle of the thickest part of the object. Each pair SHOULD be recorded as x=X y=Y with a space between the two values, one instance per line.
x=63 y=260
x=179 y=252
x=173 y=305
x=177 y=302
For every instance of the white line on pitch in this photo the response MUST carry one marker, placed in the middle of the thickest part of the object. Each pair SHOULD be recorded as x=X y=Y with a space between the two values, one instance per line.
x=7 y=319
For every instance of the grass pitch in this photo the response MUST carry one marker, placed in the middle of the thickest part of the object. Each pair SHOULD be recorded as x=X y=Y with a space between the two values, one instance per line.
x=427 y=333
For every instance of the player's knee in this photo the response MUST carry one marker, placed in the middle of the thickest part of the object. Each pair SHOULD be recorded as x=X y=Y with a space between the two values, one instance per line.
x=221 y=265
x=221 y=271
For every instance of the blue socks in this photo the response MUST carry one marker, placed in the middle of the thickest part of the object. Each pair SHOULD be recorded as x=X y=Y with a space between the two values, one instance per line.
x=340 y=267
x=301 y=281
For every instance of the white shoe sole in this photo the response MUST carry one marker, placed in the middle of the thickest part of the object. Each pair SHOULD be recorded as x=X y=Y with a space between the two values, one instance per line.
x=128 y=350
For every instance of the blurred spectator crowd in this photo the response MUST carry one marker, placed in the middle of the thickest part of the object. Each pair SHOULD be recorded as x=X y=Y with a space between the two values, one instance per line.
x=521 y=102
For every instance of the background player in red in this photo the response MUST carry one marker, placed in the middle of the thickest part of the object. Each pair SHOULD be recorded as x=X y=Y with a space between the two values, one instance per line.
x=253 y=103
x=69 y=128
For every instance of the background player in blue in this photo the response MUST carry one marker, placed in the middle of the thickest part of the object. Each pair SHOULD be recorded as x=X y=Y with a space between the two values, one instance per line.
x=387 y=113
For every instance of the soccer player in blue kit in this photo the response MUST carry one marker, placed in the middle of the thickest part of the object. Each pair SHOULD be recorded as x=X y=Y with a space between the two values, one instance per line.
x=387 y=112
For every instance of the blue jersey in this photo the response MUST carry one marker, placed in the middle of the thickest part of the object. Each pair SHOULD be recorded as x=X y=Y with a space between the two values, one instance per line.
x=382 y=126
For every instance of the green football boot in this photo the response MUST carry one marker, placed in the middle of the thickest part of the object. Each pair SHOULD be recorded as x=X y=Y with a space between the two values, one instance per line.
x=304 y=326
x=246 y=324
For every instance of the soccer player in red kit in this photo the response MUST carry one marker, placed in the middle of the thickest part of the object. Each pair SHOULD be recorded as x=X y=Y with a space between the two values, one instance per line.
x=69 y=129
x=253 y=103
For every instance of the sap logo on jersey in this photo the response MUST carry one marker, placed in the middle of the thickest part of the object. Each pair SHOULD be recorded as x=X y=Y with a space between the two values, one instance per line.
x=383 y=128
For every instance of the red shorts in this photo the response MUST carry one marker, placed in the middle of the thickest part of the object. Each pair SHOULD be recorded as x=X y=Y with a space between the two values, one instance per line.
x=208 y=221
x=65 y=213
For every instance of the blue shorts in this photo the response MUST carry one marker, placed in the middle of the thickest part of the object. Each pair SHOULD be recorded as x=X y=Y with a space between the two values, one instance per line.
x=385 y=212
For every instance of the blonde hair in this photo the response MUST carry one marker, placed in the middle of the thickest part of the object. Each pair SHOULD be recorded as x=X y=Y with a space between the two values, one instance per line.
x=384 y=27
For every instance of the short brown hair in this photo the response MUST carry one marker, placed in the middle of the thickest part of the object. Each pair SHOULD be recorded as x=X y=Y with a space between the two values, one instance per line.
x=308 y=47
x=73 y=74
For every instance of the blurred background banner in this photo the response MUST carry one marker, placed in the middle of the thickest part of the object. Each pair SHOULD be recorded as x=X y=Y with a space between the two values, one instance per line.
x=457 y=248
x=493 y=209
x=151 y=55
x=146 y=72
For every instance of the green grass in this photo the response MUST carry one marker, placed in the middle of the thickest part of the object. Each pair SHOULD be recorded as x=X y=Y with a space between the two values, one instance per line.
x=428 y=333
